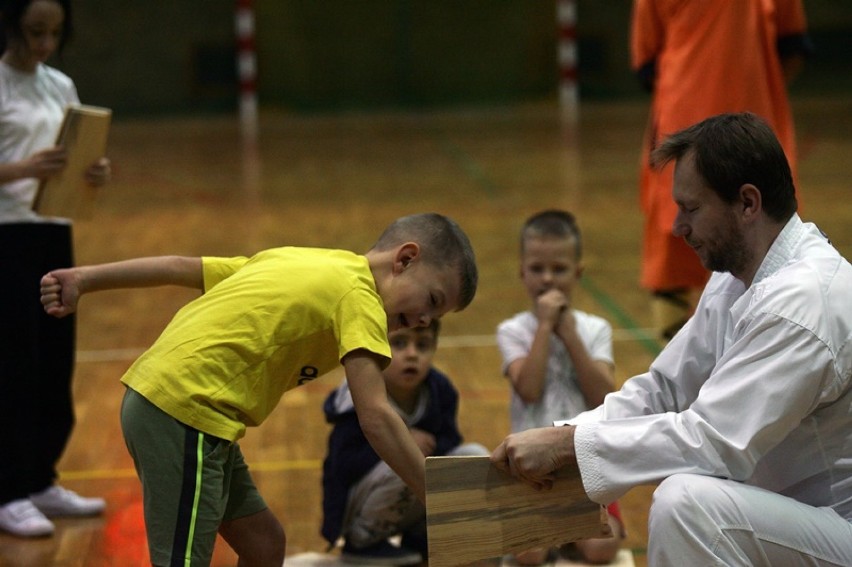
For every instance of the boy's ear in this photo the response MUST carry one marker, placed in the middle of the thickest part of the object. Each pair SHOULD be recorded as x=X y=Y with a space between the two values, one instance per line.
x=405 y=255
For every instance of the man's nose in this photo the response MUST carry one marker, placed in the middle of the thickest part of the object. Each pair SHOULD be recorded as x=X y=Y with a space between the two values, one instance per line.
x=679 y=227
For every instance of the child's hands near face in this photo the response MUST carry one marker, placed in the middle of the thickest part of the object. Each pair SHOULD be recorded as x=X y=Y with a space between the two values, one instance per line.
x=550 y=305
x=424 y=440
x=567 y=323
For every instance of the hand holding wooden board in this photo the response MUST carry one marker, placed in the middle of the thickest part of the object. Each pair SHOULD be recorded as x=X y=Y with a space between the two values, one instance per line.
x=475 y=511
x=84 y=136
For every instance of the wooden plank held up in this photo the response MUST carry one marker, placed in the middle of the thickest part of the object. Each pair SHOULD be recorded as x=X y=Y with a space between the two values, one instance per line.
x=84 y=135
x=475 y=511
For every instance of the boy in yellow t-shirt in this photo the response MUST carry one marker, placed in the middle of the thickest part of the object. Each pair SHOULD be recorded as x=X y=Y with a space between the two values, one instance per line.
x=265 y=325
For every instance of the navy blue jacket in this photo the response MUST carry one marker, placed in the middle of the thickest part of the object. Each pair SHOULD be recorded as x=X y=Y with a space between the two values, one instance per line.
x=350 y=456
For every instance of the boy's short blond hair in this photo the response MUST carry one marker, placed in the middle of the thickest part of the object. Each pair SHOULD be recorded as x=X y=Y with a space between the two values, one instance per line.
x=442 y=243
x=552 y=223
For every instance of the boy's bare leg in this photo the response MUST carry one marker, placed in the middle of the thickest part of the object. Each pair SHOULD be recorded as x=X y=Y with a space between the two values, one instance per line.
x=258 y=539
x=599 y=551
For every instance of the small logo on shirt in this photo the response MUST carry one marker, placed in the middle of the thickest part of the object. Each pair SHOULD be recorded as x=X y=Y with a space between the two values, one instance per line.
x=307 y=374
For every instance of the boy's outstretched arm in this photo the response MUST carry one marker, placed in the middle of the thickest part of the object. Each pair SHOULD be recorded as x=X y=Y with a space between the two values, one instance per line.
x=382 y=426
x=62 y=289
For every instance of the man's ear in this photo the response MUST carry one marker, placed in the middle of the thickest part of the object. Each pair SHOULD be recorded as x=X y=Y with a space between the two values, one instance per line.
x=405 y=255
x=751 y=201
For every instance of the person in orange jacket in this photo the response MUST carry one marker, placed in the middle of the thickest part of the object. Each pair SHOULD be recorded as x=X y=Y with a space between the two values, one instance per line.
x=700 y=59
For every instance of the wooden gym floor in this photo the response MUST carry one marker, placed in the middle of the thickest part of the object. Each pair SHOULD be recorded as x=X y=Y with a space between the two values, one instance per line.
x=188 y=186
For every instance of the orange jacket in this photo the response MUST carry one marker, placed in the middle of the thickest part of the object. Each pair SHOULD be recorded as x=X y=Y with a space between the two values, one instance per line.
x=705 y=57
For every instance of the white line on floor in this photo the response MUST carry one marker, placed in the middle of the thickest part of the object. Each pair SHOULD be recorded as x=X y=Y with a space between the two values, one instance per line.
x=459 y=341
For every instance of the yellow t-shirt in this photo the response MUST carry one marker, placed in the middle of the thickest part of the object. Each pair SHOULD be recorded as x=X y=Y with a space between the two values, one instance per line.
x=264 y=325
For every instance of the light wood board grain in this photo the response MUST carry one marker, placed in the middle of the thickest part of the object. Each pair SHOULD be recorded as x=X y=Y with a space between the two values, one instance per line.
x=475 y=511
x=84 y=136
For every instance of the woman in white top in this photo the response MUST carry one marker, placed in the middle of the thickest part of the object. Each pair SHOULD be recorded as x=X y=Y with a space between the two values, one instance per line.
x=36 y=351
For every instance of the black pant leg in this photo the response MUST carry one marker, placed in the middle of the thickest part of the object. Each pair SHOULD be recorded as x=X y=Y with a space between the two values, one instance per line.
x=36 y=360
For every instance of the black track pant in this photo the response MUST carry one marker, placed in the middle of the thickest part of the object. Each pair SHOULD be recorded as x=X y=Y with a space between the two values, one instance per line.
x=36 y=360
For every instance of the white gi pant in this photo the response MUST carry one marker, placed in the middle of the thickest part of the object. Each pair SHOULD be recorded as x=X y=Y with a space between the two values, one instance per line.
x=705 y=521
x=381 y=505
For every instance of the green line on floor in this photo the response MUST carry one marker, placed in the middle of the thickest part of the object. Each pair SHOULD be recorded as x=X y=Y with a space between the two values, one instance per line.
x=470 y=165
x=621 y=317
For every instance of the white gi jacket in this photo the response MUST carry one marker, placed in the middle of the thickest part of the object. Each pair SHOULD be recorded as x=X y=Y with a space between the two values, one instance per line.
x=754 y=388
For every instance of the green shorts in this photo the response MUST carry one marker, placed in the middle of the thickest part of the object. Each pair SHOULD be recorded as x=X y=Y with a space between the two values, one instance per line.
x=191 y=483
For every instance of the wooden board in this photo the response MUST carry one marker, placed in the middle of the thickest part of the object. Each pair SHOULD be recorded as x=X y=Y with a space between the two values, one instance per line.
x=475 y=511
x=84 y=136
x=624 y=558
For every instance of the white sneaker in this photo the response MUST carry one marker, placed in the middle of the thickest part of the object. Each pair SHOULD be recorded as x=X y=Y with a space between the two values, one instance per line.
x=58 y=501
x=21 y=518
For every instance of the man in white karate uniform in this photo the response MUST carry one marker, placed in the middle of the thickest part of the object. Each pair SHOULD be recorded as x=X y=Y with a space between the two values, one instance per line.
x=745 y=418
